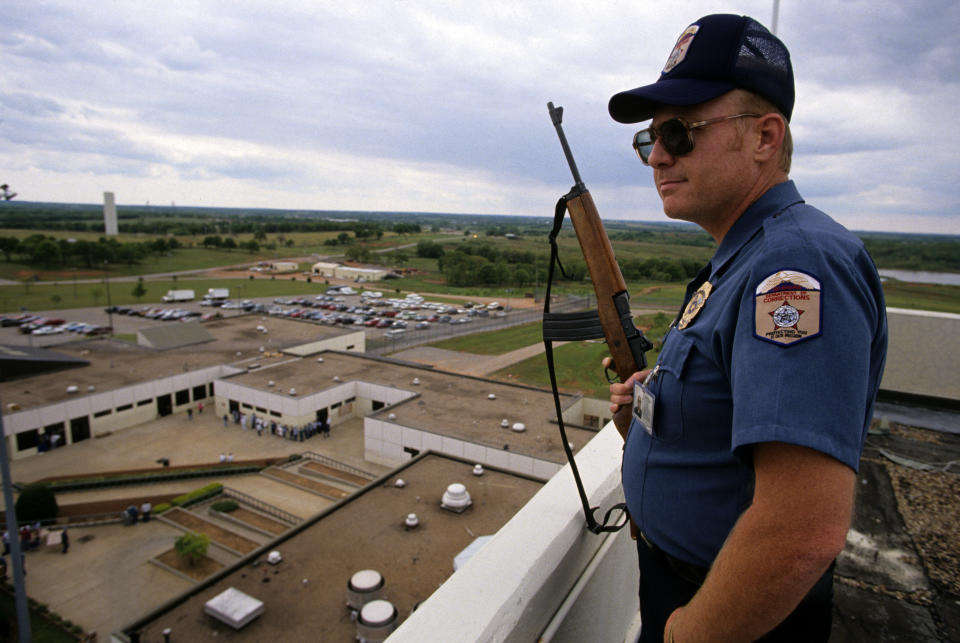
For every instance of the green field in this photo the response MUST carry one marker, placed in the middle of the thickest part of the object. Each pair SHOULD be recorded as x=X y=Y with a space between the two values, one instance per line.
x=495 y=342
x=577 y=363
x=935 y=297
x=64 y=287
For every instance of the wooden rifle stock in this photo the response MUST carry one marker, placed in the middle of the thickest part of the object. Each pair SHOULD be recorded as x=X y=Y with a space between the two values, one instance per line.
x=626 y=343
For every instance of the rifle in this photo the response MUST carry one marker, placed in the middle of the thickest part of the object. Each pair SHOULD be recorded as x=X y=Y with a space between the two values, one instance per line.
x=626 y=342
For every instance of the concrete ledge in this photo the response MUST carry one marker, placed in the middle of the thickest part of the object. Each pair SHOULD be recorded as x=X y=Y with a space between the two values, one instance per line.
x=923 y=353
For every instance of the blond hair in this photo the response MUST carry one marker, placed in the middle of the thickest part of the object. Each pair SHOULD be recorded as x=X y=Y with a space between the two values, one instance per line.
x=754 y=103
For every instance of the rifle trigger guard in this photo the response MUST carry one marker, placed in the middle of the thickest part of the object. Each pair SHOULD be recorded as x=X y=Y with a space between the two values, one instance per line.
x=611 y=380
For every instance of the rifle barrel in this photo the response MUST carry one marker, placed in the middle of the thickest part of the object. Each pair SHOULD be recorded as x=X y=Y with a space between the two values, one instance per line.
x=556 y=115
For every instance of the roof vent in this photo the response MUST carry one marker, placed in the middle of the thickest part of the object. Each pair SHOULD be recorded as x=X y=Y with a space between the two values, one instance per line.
x=72 y=389
x=399 y=484
x=519 y=427
x=491 y=397
x=261 y=349
x=416 y=381
x=274 y=557
x=336 y=378
x=456 y=498
x=505 y=423
x=293 y=391
x=478 y=469
x=91 y=388
x=392 y=416
x=363 y=587
x=412 y=522
x=319 y=360
x=377 y=620
x=271 y=383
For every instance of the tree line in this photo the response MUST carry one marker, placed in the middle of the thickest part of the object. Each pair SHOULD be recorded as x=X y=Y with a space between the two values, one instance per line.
x=49 y=252
x=483 y=264
x=188 y=222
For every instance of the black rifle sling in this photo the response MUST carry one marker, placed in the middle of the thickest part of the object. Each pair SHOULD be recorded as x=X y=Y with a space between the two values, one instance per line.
x=565 y=327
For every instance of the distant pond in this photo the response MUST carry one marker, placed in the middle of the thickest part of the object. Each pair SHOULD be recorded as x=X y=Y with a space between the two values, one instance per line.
x=920 y=276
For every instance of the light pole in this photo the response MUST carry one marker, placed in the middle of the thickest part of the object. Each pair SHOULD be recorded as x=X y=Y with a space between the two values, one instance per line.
x=106 y=281
x=16 y=557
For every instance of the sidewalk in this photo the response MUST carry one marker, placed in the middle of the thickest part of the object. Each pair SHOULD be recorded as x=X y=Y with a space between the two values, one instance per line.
x=468 y=363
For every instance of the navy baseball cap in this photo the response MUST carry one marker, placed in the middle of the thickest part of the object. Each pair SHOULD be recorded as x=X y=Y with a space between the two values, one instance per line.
x=714 y=55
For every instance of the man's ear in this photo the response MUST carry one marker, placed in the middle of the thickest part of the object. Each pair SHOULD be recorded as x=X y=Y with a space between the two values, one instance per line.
x=770 y=130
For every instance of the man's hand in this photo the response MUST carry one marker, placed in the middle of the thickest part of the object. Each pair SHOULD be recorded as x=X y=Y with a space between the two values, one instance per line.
x=622 y=392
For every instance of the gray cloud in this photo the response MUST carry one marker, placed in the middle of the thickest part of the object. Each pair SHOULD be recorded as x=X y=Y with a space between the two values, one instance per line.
x=360 y=98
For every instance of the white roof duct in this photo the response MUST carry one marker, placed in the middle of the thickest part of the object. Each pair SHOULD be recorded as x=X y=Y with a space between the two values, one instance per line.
x=377 y=620
x=364 y=586
x=456 y=498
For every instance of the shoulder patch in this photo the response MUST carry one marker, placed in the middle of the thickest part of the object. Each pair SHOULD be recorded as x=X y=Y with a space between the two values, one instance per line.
x=787 y=307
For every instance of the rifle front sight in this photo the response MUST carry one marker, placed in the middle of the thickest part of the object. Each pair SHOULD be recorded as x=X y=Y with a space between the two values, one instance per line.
x=556 y=115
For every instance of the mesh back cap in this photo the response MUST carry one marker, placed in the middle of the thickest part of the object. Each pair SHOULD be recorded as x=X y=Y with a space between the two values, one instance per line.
x=714 y=55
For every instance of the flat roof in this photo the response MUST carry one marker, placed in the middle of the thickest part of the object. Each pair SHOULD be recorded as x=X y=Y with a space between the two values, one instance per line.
x=305 y=595
x=450 y=404
x=114 y=363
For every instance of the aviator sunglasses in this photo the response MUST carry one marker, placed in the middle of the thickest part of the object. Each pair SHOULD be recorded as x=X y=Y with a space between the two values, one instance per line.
x=675 y=134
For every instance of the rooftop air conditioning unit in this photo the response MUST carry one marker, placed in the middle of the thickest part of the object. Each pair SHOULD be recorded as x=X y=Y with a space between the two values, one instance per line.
x=519 y=427
x=378 y=619
x=363 y=587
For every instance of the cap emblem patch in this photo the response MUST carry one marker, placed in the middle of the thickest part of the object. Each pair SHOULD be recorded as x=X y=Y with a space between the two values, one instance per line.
x=680 y=49
x=787 y=307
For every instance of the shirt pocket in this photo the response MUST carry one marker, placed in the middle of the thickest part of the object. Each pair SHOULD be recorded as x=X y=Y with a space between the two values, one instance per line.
x=668 y=387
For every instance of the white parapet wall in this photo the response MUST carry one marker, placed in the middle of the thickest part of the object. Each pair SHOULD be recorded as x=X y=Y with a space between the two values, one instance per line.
x=543 y=576
x=923 y=354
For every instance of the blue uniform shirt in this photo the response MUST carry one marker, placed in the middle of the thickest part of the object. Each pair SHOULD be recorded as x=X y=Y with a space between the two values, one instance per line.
x=788 y=346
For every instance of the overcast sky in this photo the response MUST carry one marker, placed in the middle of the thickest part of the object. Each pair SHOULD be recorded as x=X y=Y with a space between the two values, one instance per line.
x=441 y=106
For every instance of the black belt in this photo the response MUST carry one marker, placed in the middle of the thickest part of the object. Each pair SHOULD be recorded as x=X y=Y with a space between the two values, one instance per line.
x=687 y=571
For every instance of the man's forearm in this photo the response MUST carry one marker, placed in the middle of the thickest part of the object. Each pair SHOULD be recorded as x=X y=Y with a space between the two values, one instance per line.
x=757 y=580
x=782 y=544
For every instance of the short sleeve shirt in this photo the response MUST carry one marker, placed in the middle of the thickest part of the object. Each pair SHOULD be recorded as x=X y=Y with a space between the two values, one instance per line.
x=787 y=346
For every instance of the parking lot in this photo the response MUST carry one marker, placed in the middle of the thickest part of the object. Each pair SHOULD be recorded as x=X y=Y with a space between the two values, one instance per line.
x=389 y=322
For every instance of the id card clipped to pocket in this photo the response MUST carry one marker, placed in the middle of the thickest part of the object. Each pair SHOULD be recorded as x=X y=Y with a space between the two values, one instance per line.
x=643 y=404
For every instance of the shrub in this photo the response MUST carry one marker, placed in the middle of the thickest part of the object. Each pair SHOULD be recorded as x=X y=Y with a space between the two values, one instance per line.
x=163 y=506
x=36 y=502
x=226 y=506
x=207 y=491
x=192 y=546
